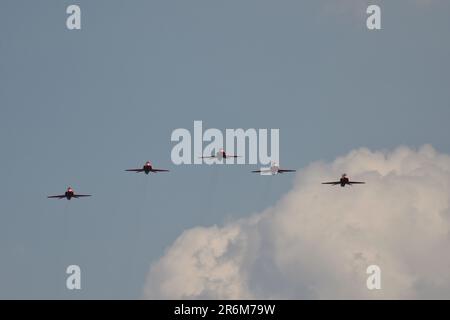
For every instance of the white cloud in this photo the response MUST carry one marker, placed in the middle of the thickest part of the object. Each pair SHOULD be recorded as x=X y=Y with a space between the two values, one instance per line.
x=318 y=240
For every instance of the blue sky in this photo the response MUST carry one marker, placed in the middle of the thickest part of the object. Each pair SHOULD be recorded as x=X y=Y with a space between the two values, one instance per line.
x=79 y=107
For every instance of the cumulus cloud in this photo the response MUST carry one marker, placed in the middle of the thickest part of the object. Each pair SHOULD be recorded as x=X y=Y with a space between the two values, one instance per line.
x=318 y=240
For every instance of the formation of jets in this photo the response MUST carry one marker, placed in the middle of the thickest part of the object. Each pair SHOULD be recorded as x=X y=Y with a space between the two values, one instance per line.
x=221 y=154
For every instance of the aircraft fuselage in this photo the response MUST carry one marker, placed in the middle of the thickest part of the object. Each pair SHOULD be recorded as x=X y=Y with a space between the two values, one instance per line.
x=69 y=195
x=221 y=155
x=147 y=169
x=344 y=181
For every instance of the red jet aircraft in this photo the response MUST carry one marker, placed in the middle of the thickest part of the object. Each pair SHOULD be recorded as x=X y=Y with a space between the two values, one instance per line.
x=221 y=154
x=147 y=168
x=273 y=170
x=69 y=194
x=343 y=181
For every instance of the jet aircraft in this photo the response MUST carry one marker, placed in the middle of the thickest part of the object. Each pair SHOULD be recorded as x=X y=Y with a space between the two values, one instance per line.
x=221 y=154
x=147 y=168
x=343 y=181
x=274 y=169
x=69 y=194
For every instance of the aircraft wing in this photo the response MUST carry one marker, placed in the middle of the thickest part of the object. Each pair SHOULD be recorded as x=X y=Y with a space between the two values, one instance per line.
x=81 y=195
x=332 y=182
x=160 y=170
x=260 y=171
x=264 y=172
x=207 y=157
x=135 y=170
x=355 y=182
x=286 y=170
x=61 y=196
